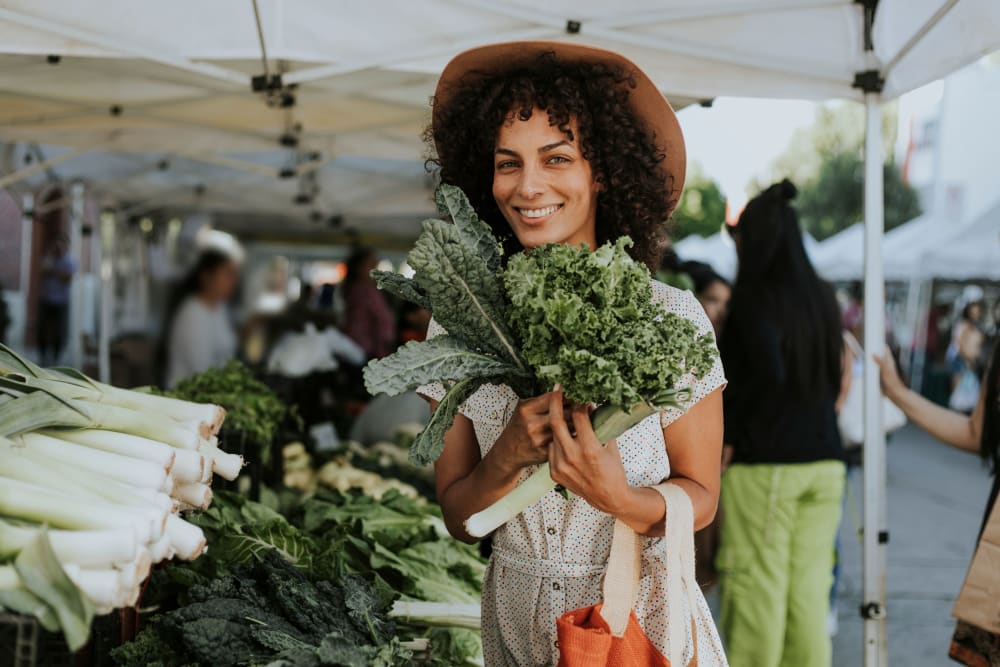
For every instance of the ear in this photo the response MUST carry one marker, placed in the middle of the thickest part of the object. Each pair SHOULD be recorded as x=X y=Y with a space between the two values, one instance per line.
x=599 y=183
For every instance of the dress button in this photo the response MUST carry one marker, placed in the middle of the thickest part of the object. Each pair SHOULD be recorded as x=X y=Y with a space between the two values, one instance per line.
x=556 y=643
x=556 y=586
x=551 y=531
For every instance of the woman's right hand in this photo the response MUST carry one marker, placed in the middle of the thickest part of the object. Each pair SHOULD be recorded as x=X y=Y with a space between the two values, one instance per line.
x=892 y=384
x=526 y=439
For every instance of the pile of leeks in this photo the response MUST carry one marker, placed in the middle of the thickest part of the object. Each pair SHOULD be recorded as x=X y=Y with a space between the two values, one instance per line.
x=92 y=480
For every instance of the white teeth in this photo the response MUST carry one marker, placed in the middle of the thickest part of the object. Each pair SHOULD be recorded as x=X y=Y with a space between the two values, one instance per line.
x=538 y=212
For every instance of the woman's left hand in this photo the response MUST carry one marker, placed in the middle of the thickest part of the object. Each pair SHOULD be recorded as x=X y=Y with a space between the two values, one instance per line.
x=581 y=463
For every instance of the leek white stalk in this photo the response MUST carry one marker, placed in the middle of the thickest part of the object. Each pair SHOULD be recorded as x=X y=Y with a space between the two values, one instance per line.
x=609 y=423
x=24 y=466
x=102 y=586
x=162 y=549
x=131 y=471
x=29 y=502
x=440 y=614
x=86 y=548
x=168 y=486
x=132 y=573
x=176 y=409
x=189 y=466
x=123 y=444
x=224 y=464
x=187 y=539
x=196 y=495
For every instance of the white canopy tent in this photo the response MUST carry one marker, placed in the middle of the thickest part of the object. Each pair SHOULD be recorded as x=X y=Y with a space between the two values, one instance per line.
x=175 y=78
x=719 y=252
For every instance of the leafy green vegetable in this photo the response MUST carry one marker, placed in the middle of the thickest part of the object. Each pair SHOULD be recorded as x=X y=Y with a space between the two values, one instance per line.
x=555 y=314
x=310 y=589
x=586 y=320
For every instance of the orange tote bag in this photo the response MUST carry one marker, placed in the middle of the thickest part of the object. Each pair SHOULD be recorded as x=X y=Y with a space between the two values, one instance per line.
x=608 y=634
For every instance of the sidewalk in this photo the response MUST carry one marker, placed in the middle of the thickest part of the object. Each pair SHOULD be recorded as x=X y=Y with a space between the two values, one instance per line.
x=936 y=500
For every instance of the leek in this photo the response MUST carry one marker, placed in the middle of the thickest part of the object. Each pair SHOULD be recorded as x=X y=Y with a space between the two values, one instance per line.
x=438 y=614
x=86 y=548
x=123 y=444
x=609 y=423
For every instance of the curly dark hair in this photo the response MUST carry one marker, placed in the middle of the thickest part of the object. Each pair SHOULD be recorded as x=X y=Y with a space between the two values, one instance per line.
x=636 y=199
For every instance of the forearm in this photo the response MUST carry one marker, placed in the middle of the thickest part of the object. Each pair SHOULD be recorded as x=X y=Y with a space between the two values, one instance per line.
x=644 y=511
x=488 y=482
x=946 y=425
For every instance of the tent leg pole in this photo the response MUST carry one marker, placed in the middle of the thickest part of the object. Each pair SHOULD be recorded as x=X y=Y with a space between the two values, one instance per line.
x=876 y=535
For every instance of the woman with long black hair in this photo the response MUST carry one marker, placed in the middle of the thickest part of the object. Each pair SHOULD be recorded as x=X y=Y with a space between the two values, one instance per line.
x=781 y=494
x=979 y=433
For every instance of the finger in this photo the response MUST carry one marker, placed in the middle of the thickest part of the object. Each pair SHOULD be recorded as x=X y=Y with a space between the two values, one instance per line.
x=557 y=419
x=581 y=422
x=538 y=405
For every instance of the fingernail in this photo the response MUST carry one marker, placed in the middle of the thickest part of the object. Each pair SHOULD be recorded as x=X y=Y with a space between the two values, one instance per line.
x=558 y=387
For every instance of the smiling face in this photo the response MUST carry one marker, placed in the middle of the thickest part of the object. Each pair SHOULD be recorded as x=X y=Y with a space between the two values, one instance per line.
x=542 y=184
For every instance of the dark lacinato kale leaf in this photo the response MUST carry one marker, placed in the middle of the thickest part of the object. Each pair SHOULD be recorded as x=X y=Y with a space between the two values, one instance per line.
x=474 y=232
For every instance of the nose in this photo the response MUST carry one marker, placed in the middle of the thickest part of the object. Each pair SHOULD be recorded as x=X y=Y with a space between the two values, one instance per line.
x=530 y=184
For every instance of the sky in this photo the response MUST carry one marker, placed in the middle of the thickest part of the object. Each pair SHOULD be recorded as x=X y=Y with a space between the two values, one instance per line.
x=737 y=139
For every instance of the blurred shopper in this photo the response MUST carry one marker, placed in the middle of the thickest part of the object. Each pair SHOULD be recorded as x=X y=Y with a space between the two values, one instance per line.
x=58 y=268
x=5 y=318
x=713 y=292
x=368 y=320
x=781 y=495
x=964 y=358
x=413 y=322
x=200 y=334
x=978 y=433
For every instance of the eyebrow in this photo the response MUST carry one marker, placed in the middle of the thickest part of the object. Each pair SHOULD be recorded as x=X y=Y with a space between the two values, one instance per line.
x=543 y=149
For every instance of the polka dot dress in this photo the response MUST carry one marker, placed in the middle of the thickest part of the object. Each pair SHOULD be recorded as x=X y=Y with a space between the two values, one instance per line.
x=550 y=559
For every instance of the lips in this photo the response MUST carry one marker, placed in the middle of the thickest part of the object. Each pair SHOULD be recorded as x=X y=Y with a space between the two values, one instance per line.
x=537 y=214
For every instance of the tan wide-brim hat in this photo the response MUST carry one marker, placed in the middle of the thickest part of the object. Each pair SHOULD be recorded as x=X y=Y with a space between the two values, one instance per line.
x=646 y=100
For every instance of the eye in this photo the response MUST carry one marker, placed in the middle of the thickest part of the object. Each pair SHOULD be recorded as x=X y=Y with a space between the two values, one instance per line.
x=558 y=159
x=506 y=164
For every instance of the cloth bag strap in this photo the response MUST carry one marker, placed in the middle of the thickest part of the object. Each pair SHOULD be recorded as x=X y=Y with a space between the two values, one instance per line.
x=621 y=580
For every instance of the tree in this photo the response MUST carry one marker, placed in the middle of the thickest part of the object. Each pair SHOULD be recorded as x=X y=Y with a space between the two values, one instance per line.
x=826 y=163
x=702 y=209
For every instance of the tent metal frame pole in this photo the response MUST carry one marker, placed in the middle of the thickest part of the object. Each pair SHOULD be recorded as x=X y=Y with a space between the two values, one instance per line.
x=24 y=280
x=74 y=341
x=876 y=536
x=31 y=170
x=106 y=243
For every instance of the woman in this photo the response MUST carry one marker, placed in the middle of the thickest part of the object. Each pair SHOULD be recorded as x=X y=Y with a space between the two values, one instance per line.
x=978 y=433
x=781 y=495
x=368 y=320
x=712 y=290
x=199 y=332
x=559 y=143
x=964 y=357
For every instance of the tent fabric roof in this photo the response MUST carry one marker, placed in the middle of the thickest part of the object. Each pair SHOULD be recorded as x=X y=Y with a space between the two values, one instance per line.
x=929 y=246
x=178 y=74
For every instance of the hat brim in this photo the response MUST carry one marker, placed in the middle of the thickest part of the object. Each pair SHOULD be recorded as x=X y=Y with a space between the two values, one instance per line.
x=646 y=100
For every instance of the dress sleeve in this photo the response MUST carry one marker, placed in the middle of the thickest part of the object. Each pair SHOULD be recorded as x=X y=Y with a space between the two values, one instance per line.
x=687 y=306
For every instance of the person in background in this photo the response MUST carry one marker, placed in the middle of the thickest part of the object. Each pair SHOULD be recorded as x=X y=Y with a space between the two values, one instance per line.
x=712 y=290
x=200 y=334
x=978 y=433
x=58 y=268
x=964 y=358
x=368 y=320
x=414 y=320
x=781 y=495
x=5 y=317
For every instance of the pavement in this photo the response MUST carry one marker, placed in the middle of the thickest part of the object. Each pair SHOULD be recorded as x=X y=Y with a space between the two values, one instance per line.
x=936 y=498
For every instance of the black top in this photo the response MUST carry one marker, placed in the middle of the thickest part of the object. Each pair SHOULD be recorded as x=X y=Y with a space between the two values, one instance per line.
x=766 y=421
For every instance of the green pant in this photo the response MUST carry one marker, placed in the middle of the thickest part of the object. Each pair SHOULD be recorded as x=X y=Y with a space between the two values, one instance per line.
x=776 y=562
